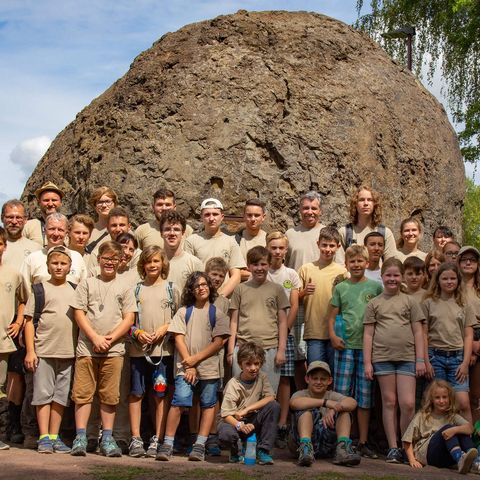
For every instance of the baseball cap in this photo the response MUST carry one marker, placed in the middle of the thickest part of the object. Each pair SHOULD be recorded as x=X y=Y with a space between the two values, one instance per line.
x=468 y=248
x=48 y=187
x=318 y=364
x=59 y=249
x=211 y=203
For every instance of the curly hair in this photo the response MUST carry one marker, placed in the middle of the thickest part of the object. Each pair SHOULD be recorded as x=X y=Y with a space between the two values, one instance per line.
x=147 y=254
x=188 y=294
x=377 y=206
x=427 y=405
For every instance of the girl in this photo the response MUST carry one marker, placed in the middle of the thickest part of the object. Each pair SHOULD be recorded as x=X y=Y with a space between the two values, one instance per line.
x=365 y=217
x=151 y=361
x=437 y=435
x=450 y=333
x=468 y=263
x=411 y=232
x=277 y=245
x=102 y=200
x=432 y=262
x=394 y=350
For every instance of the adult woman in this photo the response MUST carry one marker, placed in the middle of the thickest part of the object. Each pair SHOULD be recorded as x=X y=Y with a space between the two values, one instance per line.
x=411 y=232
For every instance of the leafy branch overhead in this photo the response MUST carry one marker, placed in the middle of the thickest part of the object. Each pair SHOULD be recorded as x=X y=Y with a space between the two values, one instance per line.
x=448 y=35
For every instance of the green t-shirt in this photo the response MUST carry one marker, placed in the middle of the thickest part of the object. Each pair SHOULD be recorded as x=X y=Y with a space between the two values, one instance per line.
x=351 y=299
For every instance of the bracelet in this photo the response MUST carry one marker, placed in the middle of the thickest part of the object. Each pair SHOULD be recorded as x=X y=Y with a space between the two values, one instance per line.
x=238 y=426
x=420 y=360
x=229 y=354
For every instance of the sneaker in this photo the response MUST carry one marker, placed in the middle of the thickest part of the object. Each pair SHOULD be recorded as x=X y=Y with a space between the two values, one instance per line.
x=213 y=450
x=164 y=452
x=394 y=455
x=281 y=440
x=198 y=453
x=79 y=447
x=366 y=451
x=60 y=447
x=306 y=455
x=4 y=446
x=122 y=445
x=45 y=445
x=92 y=445
x=467 y=460
x=344 y=455
x=475 y=468
x=152 y=447
x=30 y=442
x=263 y=457
x=135 y=449
x=235 y=457
x=109 y=448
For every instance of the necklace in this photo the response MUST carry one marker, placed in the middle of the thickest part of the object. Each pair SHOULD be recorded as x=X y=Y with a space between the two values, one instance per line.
x=102 y=300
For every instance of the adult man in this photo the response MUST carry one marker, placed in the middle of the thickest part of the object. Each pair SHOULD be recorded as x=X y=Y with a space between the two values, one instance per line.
x=302 y=239
x=18 y=246
x=182 y=263
x=252 y=235
x=212 y=242
x=49 y=198
x=149 y=233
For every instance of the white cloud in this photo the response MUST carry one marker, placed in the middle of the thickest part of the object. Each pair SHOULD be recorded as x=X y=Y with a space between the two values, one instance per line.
x=27 y=153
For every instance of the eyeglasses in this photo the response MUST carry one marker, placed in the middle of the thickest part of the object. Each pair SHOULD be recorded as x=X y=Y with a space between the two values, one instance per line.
x=104 y=202
x=110 y=260
x=451 y=254
x=200 y=286
x=469 y=259
x=171 y=229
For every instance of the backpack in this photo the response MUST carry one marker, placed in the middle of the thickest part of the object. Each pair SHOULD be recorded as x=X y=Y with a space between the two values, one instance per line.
x=349 y=234
x=212 y=314
x=39 y=295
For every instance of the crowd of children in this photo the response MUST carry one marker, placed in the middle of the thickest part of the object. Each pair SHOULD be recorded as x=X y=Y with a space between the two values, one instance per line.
x=201 y=339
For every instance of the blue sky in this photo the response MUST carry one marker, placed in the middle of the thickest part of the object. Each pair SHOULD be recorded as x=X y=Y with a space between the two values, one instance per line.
x=56 y=56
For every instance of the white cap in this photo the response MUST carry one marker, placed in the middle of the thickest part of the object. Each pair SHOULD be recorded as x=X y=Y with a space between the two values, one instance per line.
x=211 y=203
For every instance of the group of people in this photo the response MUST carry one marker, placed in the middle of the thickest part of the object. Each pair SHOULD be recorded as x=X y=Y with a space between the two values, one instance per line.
x=167 y=339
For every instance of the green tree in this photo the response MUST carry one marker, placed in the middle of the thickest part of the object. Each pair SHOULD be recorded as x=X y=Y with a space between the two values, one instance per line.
x=448 y=34
x=471 y=215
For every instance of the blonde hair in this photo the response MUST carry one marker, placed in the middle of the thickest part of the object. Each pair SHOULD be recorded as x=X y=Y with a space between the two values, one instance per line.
x=356 y=251
x=276 y=235
x=377 y=206
x=146 y=255
x=99 y=192
x=427 y=405
x=417 y=222
x=434 y=291
x=85 y=220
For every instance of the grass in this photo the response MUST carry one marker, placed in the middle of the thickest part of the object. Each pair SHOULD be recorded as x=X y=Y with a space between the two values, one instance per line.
x=123 y=473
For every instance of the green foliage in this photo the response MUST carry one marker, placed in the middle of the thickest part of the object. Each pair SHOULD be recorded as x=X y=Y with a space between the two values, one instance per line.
x=471 y=215
x=448 y=34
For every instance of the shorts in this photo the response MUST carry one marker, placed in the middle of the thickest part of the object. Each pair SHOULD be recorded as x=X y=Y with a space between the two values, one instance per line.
x=144 y=374
x=288 y=368
x=394 y=368
x=184 y=391
x=324 y=439
x=52 y=381
x=445 y=364
x=297 y=332
x=16 y=359
x=350 y=378
x=97 y=374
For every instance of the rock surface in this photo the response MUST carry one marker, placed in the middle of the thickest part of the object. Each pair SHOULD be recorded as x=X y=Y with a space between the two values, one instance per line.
x=268 y=104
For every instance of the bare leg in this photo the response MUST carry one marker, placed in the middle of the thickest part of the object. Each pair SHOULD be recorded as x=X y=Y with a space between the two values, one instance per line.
x=406 y=400
x=82 y=414
x=389 y=407
x=284 y=399
x=15 y=388
x=135 y=412
x=43 y=418
x=206 y=421
x=343 y=425
x=107 y=414
x=305 y=425
x=56 y=415
x=363 y=418
x=173 y=419
x=463 y=405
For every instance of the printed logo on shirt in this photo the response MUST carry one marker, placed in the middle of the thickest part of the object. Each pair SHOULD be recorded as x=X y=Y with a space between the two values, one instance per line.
x=287 y=284
x=8 y=287
x=119 y=299
x=368 y=296
x=226 y=254
x=26 y=253
x=164 y=304
x=271 y=302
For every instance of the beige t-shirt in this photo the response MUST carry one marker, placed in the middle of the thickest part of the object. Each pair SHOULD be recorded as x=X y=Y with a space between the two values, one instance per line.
x=17 y=251
x=96 y=233
x=417 y=253
x=104 y=303
x=129 y=277
x=33 y=231
x=238 y=395
x=446 y=322
x=34 y=268
x=258 y=307
x=11 y=289
x=316 y=305
x=57 y=332
x=155 y=310
x=222 y=303
x=198 y=336
x=329 y=395
x=302 y=245
x=221 y=245
x=393 y=317
x=418 y=295
x=149 y=234
x=247 y=241
x=181 y=267
x=473 y=300
x=358 y=237
x=421 y=430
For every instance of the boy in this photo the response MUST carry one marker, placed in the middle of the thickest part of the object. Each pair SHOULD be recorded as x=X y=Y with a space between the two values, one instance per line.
x=321 y=420
x=258 y=313
x=217 y=269
x=414 y=277
x=104 y=309
x=317 y=284
x=349 y=300
x=441 y=236
x=50 y=343
x=375 y=243
x=249 y=406
x=200 y=330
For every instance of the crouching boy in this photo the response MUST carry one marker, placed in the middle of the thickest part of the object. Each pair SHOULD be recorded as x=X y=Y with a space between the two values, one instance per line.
x=249 y=406
x=321 y=420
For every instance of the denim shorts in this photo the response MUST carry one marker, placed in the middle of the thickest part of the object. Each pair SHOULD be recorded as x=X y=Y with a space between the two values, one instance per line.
x=445 y=364
x=142 y=375
x=184 y=391
x=394 y=368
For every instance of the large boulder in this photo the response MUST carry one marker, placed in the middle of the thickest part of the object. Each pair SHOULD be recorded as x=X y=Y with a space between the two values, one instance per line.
x=268 y=104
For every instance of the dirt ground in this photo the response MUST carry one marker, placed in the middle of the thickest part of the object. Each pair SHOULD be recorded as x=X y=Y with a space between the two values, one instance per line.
x=21 y=464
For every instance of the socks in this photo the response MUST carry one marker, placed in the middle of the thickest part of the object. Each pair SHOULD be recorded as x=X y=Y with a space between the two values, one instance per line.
x=41 y=437
x=201 y=439
x=106 y=434
x=305 y=440
x=456 y=454
x=82 y=432
x=343 y=439
x=168 y=440
x=52 y=436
